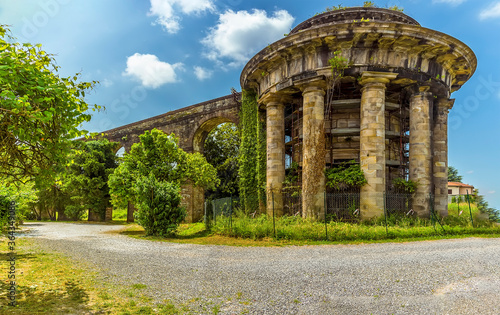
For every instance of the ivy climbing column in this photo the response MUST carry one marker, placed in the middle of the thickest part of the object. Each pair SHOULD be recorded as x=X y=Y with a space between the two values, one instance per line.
x=372 y=142
x=440 y=158
x=313 y=165
x=275 y=171
x=421 y=149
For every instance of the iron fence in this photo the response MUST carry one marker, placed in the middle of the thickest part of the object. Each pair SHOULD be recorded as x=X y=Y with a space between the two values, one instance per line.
x=342 y=206
x=399 y=203
x=292 y=204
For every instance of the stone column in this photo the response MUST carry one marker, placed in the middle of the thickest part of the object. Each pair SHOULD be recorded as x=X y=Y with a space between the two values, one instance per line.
x=275 y=147
x=372 y=142
x=313 y=148
x=421 y=150
x=193 y=201
x=440 y=158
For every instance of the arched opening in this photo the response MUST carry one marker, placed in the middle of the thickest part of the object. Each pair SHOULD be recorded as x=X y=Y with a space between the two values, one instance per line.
x=120 y=152
x=204 y=129
x=220 y=148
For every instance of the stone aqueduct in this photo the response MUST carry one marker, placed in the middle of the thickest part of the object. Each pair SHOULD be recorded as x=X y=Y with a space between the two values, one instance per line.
x=388 y=111
x=191 y=124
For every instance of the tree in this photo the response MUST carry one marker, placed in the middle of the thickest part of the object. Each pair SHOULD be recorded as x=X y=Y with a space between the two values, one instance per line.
x=40 y=112
x=453 y=175
x=221 y=150
x=483 y=207
x=23 y=195
x=159 y=206
x=157 y=158
x=86 y=181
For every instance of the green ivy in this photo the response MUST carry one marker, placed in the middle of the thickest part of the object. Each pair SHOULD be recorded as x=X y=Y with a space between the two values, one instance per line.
x=290 y=184
x=346 y=175
x=404 y=186
x=251 y=159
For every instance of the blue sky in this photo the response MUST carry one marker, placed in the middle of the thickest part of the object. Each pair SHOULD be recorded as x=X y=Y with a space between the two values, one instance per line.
x=153 y=56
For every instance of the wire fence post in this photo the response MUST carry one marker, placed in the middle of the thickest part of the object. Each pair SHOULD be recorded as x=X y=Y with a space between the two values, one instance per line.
x=274 y=223
x=231 y=213
x=205 y=219
x=326 y=226
x=458 y=205
x=470 y=210
x=213 y=211
x=385 y=214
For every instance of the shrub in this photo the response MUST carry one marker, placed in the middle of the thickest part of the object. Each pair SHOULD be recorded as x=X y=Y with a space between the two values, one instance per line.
x=159 y=211
x=346 y=175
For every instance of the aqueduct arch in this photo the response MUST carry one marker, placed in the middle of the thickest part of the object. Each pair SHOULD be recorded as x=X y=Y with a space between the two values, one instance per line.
x=204 y=129
x=192 y=125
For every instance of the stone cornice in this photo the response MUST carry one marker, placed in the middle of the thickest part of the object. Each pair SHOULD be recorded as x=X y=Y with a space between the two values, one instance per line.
x=433 y=54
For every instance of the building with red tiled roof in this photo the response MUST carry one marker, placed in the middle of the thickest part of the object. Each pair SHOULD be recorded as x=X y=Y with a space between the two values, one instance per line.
x=456 y=189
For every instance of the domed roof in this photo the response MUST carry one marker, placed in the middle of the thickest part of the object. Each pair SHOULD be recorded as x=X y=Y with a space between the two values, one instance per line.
x=358 y=14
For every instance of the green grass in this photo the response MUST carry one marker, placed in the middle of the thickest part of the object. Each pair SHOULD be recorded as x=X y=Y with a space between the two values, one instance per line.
x=246 y=231
x=399 y=227
x=119 y=214
x=50 y=283
x=455 y=209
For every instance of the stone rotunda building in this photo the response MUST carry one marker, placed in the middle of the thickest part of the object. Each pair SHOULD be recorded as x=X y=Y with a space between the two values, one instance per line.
x=388 y=111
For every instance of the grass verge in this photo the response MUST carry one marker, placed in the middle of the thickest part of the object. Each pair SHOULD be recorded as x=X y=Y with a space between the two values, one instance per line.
x=244 y=231
x=50 y=283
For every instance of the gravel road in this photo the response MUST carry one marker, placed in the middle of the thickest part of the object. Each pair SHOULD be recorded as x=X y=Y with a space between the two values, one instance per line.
x=429 y=277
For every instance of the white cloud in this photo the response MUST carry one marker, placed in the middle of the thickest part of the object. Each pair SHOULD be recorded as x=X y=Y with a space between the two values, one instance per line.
x=238 y=35
x=202 y=73
x=491 y=12
x=151 y=71
x=491 y=192
x=452 y=2
x=165 y=11
x=470 y=172
x=107 y=83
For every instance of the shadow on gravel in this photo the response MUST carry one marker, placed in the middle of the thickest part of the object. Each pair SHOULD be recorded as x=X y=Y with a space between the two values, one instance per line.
x=173 y=237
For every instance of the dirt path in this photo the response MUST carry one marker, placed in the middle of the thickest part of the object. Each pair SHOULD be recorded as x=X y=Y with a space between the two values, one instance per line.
x=431 y=277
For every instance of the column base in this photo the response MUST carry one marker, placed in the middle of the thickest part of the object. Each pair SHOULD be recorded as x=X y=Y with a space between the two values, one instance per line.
x=371 y=204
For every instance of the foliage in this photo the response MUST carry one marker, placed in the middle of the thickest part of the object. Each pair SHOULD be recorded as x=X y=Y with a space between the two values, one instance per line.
x=251 y=161
x=4 y=212
x=370 y=4
x=23 y=195
x=221 y=150
x=334 y=8
x=50 y=197
x=159 y=154
x=483 y=207
x=290 y=184
x=158 y=204
x=40 y=112
x=404 y=186
x=86 y=180
x=396 y=8
x=346 y=175
x=453 y=175
x=338 y=64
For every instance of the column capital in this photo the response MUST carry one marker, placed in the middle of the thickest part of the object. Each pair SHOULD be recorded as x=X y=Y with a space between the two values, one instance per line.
x=273 y=98
x=370 y=77
x=446 y=103
x=312 y=84
x=419 y=90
